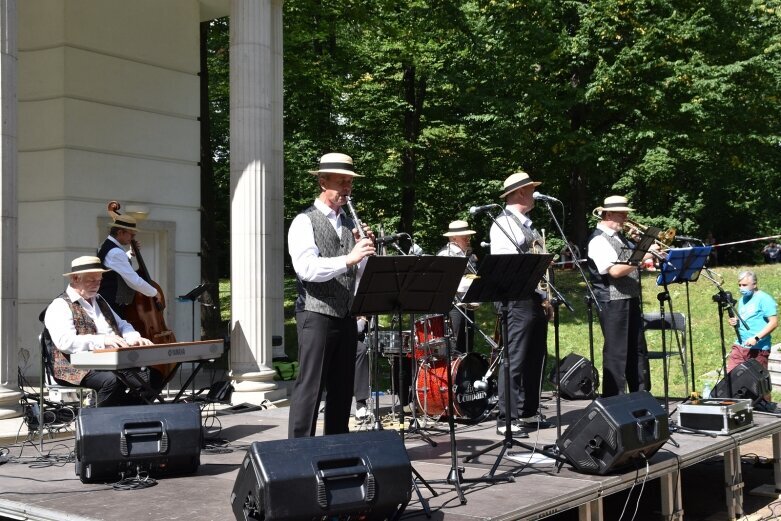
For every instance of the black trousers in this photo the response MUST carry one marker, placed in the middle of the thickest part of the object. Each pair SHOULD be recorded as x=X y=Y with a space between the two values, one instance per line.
x=463 y=330
x=625 y=353
x=326 y=361
x=111 y=391
x=527 y=346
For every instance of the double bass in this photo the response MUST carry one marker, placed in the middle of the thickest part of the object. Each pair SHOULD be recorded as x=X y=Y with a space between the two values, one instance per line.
x=145 y=314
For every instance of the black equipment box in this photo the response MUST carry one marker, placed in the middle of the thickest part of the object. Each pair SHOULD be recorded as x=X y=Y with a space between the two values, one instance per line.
x=365 y=474
x=116 y=442
x=616 y=432
x=716 y=415
x=579 y=378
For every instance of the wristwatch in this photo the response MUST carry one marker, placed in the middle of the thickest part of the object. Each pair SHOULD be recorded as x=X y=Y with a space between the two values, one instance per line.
x=757 y=338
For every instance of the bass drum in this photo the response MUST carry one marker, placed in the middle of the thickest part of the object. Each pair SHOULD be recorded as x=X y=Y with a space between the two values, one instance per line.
x=431 y=386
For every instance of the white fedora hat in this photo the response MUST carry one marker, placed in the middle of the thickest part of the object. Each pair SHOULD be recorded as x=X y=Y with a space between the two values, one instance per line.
x=85 y=264
x=458 y=228
x=336 y=163
x=614 y=203
x=516 y=181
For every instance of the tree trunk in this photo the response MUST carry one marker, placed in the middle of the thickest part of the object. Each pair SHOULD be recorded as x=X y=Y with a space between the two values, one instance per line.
x=414 y=95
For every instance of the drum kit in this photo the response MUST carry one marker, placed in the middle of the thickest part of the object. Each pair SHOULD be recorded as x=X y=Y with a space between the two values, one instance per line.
x=473 y=393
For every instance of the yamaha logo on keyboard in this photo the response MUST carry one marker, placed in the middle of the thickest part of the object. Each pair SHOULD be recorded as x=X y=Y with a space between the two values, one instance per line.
x=178 y=351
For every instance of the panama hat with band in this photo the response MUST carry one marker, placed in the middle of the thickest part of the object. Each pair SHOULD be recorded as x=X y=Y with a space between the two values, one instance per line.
x=335 y=163
x=614 y=203
x=457 y=228
x=123 y=221
x=85 y=264
x=516 y=181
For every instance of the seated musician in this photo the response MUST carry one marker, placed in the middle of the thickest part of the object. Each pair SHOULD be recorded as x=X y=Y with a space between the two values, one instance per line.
x=81 y=320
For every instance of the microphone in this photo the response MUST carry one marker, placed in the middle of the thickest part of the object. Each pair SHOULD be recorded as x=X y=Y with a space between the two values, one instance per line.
x=474 y=210
x=484 y=244
x=542 y=197
x=388 y=239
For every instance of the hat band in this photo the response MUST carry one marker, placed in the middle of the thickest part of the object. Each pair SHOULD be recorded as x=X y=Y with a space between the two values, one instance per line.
x=339 y=166
x=461 y=229
x=615 y=205
x=515 y=186
x=120 y=222
x=85 y=267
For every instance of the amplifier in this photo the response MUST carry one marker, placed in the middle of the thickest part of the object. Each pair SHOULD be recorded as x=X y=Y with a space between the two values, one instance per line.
x=716 y=415
x=360 y=475
x=116 y=442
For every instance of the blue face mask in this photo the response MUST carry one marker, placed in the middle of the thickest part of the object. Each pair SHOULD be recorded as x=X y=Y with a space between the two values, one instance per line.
x=746 y=292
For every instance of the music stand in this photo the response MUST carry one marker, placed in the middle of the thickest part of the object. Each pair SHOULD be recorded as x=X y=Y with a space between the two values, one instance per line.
x=506 y=278
x=192 y=296
x=650 y=235
x=684 y=265
x=409 y=284
x=681 y=265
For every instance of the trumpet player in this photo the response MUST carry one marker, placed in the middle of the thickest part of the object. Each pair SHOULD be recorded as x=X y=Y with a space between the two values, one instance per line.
x=328 y=254
x=462 y=316
x=527 y=321
x=617 y=288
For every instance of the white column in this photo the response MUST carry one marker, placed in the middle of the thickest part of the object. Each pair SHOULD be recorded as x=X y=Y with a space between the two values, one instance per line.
x=257 y=255
x=9 y=389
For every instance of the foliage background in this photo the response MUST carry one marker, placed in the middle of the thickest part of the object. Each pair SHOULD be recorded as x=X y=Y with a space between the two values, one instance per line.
x=673 y=103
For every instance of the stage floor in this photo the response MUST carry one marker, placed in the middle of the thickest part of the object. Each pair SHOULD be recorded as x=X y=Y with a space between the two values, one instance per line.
x=46 y=488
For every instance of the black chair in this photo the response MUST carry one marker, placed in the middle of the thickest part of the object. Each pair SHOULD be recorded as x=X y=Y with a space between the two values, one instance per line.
x=674 y=327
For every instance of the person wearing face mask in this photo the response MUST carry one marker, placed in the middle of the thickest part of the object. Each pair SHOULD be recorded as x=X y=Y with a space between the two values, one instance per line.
x=328 y=256
x=758 y=311
x=617 y=288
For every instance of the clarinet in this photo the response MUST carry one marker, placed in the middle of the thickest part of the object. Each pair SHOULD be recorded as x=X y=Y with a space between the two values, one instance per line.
x=354 y=217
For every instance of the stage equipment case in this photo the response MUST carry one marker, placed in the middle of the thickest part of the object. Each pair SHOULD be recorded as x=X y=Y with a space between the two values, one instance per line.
x=716 y=415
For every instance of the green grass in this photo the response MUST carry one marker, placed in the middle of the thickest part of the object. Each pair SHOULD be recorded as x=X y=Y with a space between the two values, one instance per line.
x=573 y=331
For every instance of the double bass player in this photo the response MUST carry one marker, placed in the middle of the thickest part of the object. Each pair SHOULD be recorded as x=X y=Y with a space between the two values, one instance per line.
x=119 y=286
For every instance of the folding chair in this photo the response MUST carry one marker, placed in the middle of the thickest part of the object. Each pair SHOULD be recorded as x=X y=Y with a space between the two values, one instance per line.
x=674 y=327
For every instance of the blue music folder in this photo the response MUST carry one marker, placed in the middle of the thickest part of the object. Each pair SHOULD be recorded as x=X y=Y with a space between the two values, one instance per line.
x=683 y=264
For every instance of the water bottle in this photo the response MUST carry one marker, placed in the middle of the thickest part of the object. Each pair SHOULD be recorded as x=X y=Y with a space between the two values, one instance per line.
x=706 y=391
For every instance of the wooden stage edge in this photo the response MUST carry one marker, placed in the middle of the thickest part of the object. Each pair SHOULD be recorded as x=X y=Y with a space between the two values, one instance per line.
x=44 y=487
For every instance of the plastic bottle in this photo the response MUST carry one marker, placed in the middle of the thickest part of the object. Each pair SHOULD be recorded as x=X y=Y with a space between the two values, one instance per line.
x=706 y=391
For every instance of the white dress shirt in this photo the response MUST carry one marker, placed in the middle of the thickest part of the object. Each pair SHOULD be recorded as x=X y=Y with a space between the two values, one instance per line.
x=500 y=243
x=117 y=260
x=601 y=251
x=307 y=262
x=59 y=322
x=454 y=250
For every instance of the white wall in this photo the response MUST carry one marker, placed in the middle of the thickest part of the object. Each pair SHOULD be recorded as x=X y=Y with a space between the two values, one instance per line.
x=108 y=107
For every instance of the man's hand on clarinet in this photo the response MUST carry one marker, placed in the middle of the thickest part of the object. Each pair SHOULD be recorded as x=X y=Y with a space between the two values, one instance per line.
x=363 y=248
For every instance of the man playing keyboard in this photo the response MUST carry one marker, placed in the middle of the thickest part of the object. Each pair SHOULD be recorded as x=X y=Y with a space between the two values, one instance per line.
x=81 y=320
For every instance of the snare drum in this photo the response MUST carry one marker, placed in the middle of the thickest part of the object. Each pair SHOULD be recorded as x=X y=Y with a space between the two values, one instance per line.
x=431 y=386
x=390 y=345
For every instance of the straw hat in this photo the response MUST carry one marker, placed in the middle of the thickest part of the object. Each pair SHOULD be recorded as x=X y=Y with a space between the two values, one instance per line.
x=458 y=228
x=516 y=181
x=614 y=203
x=85 y=264
x=123 y=221
x=335 y=163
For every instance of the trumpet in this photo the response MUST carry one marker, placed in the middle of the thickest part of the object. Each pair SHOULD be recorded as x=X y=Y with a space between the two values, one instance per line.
x=664 y=239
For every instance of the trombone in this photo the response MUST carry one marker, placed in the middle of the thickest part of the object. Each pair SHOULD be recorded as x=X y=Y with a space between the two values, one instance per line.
x=664 y=238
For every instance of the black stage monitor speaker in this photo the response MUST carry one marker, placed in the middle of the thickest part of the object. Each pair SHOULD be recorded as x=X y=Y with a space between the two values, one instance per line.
x=748 y=380
x=615 y=432
x=363 y=474
x=116 y=442
x=579 y=378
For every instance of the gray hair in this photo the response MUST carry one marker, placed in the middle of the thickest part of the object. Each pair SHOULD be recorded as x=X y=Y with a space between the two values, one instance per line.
x=747 y=273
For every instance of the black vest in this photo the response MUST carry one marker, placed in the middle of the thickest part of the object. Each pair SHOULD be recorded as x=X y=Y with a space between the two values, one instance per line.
x=113 y=287
x=607 y=287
